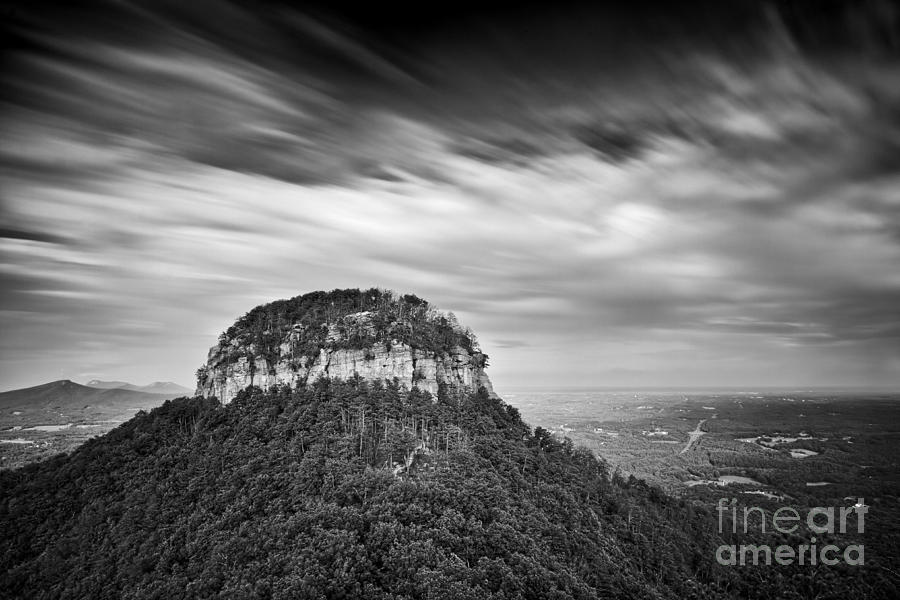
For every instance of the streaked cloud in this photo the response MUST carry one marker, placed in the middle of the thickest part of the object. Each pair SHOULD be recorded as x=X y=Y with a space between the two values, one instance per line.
x=678 y=212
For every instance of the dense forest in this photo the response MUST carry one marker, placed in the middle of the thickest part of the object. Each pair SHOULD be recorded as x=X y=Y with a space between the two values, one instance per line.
x=356 y=489
x=342 y=489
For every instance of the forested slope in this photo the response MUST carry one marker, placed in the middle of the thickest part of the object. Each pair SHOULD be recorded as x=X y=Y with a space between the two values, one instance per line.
x=344 y=489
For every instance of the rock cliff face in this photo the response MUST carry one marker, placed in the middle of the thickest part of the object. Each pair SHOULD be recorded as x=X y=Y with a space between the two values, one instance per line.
x=298 y=341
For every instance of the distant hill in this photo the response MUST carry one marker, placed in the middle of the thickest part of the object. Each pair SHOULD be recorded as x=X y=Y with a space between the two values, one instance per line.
x=42 y=421
x=168 y=388
x=65 y=394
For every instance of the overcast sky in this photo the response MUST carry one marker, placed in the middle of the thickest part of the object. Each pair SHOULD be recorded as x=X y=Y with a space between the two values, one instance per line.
x=708 y=196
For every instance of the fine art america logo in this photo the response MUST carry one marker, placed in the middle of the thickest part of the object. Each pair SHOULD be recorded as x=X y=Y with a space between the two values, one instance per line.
x=828 y=522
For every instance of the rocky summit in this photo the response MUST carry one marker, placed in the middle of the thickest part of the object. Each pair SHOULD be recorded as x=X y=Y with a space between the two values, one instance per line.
x=374 y=334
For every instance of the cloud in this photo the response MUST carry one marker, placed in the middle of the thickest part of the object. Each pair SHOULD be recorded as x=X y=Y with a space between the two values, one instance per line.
x=684 y=217
x=510 y=344
x=22 y=234
x=611 y=143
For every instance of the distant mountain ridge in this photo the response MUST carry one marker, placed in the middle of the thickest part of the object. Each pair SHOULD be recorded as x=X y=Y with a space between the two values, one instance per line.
x=157 y=387
x=41 y=421
x=68 y=394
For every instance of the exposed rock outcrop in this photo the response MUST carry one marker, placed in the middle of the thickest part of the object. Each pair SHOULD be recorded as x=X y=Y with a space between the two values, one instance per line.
x=396 y=338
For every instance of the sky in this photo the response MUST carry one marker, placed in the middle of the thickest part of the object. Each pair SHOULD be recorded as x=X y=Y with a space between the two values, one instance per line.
x=704 y=194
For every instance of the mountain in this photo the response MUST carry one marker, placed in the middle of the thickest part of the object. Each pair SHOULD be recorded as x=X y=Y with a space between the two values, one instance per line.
x=374 y=334
x=41 y=421
x=167 y=388
x=157 y=387
x=352 y=489
x=65 y=394
x=362 y=487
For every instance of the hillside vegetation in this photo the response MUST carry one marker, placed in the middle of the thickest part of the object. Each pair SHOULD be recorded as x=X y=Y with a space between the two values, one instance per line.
x=344 y=489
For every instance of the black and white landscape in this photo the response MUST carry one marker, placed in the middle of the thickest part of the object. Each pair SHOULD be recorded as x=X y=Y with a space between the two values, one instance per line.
x=478 y=300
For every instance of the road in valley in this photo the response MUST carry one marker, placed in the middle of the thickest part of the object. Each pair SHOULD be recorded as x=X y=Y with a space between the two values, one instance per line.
x=693 y=436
